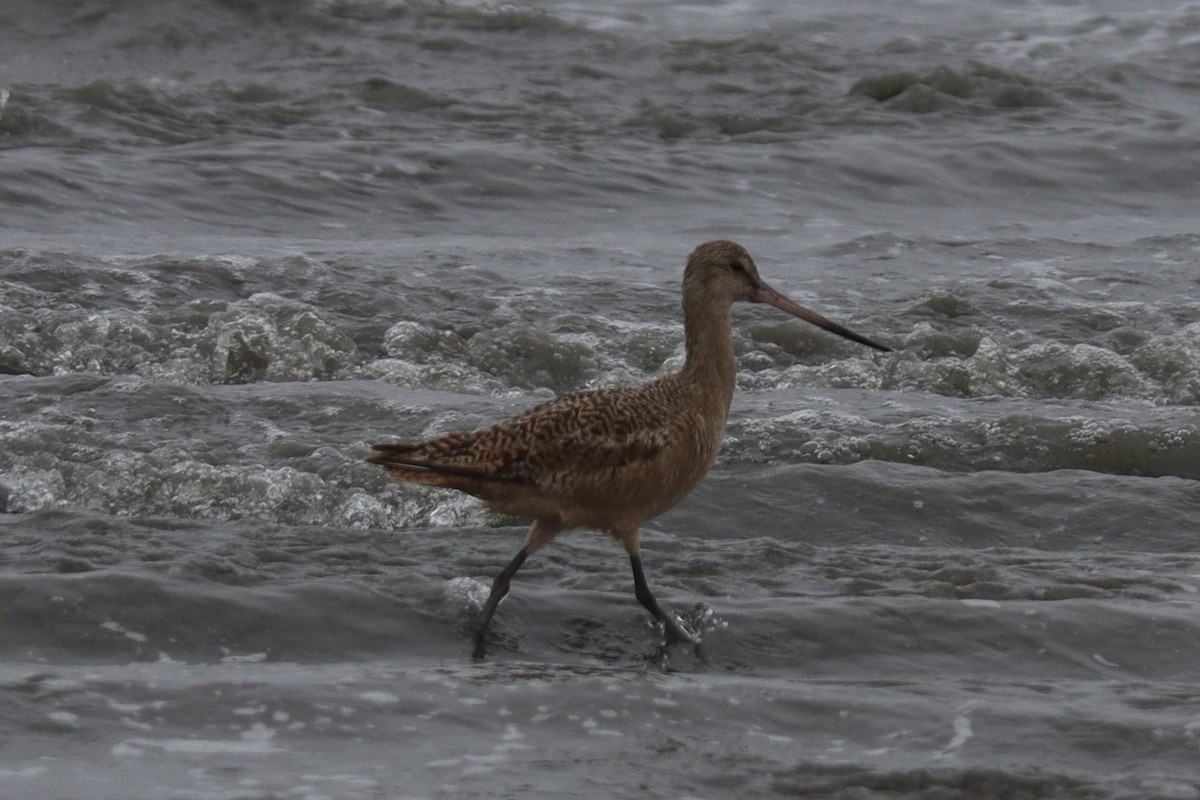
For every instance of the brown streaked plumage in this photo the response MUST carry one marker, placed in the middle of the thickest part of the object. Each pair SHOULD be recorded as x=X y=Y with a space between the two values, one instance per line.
x=610 y=458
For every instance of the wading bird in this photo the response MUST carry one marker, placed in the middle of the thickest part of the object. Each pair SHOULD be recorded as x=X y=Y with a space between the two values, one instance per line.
x=610 y=459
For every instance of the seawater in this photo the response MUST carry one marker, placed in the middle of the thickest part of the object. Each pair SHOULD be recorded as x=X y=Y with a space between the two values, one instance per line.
x=242 y=241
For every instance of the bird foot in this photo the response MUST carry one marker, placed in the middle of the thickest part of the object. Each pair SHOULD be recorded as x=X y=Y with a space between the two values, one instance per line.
x=675 y=633
x=662 y=653
x=690 y=628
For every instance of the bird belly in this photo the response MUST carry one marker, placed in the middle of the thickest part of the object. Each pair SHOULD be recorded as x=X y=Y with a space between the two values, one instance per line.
x=627 y=496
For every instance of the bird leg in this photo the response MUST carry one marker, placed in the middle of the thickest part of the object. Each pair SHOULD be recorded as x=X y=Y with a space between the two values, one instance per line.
x=641 y=590
x=499 y=589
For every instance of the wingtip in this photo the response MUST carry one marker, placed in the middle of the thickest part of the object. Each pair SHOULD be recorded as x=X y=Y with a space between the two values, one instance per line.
x=386 y=452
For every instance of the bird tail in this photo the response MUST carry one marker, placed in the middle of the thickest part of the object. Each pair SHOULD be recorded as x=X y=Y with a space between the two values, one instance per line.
x=434 y=466
x=415 y=465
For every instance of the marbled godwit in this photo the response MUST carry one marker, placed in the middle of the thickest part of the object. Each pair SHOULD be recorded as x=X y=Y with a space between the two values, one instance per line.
x=610 y=458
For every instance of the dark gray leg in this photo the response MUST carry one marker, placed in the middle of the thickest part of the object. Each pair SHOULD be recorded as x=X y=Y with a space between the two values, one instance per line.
x=499 y=589
x=675 y=631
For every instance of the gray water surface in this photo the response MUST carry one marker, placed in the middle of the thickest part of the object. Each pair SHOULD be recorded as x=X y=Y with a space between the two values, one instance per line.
x=241 y=241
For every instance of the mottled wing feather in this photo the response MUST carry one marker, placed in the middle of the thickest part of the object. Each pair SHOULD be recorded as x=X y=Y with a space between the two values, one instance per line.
x=406 y=459
x=595 y=431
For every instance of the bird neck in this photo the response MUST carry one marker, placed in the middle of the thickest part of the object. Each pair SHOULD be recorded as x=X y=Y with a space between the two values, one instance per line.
x=709 y=366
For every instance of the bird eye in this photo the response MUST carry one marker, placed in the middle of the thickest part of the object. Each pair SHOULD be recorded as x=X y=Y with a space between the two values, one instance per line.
x=737 y=266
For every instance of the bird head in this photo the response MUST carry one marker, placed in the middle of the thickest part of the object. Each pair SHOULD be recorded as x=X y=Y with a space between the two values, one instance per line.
x=723 y=271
